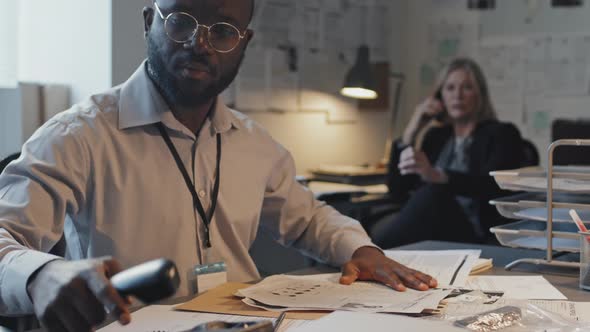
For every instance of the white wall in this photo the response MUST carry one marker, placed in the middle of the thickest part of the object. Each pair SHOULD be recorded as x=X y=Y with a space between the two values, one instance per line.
x=66 y=41
x=8 y=52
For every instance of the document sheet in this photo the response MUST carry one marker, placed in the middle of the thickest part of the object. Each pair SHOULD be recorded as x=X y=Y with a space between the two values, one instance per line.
x=517 y=287
x=579 y=311
x=323 y=292
x=355 y=321
x=449 y=267
x=162 y=318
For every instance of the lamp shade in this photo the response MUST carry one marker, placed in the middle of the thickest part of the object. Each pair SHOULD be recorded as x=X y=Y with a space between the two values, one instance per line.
x=359 y=81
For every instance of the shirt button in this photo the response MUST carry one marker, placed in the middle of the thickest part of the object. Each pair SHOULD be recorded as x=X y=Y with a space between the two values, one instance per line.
x=202 y=193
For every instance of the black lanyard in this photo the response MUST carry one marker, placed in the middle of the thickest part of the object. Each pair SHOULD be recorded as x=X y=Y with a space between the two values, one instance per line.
x=190 y=185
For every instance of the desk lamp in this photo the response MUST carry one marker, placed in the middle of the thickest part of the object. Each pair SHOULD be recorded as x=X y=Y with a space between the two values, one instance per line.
x=360 y=84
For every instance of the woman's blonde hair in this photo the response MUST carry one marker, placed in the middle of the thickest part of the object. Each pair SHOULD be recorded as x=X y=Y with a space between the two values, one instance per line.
x=485 y=111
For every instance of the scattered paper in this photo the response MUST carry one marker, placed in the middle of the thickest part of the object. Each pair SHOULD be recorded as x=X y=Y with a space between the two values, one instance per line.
x=354 y=322
x=223 y=300
x=324 y=292
x=448 y=267
x=517 y=287
x=163 y=318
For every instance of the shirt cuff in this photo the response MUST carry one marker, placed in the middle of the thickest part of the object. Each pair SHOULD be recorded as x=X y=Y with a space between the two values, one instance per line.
x=347 y=248
x=13 y=287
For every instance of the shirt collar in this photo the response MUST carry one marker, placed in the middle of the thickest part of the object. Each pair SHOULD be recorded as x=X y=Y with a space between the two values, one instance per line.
x=141 y=104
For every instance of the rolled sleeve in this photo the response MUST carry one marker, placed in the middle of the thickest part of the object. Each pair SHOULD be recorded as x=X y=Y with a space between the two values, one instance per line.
x=13 y=288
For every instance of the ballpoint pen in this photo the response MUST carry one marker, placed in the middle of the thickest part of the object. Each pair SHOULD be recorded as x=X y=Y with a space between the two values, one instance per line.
x=279 y=320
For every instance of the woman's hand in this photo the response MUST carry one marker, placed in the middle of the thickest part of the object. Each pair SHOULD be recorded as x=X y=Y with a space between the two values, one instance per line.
x=428 y=109
x=412 y=161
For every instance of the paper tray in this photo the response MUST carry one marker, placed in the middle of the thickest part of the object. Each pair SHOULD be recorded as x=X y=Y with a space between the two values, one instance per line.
x=570 y=179
x=509 y=206
x=531 y=235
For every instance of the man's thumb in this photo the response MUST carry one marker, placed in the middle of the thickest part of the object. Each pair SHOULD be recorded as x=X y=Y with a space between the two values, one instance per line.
x=350 y=273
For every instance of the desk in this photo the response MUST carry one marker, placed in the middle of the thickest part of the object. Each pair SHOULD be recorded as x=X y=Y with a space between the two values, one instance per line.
x=564 y=279
x=358 y=202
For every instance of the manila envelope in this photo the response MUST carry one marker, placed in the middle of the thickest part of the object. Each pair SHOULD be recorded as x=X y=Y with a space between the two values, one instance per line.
x=221 y=300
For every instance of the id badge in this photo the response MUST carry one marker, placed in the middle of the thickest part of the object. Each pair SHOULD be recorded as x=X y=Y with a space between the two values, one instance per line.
x=208 y=276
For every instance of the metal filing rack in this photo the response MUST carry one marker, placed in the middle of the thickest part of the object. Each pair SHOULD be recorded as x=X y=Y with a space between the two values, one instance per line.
x=549 y=258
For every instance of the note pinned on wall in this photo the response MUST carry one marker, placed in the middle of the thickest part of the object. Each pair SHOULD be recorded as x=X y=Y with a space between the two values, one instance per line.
x=8 y=40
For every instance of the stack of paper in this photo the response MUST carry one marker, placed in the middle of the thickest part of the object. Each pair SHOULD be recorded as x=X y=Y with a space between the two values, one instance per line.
x=569 y=179
x=448 y=267
x=481 y=265
x=324 y=292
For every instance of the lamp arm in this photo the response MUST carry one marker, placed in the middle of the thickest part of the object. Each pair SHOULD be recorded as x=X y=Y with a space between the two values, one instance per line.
x=400 y=77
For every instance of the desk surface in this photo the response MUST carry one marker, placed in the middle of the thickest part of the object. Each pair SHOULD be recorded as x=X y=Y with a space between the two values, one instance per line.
x=565 y=279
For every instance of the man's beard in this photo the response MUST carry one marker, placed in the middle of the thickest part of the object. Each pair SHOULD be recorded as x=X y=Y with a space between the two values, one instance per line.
x=169 y=87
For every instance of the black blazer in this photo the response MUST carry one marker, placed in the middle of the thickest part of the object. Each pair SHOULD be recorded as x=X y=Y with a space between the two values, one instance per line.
x=496 y=146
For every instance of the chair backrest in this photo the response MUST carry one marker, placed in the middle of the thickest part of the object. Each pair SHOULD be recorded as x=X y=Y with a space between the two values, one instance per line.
x=4 y=162
x=530 y=155
x=571 y=155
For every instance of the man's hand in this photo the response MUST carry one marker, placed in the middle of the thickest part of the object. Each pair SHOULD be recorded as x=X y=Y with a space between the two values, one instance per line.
x=369 y=263
x=73 y=295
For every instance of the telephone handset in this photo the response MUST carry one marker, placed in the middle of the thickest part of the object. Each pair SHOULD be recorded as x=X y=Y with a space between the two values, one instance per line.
x=441 y=116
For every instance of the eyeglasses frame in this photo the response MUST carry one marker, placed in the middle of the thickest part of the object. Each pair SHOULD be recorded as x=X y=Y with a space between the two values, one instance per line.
x=196 y=30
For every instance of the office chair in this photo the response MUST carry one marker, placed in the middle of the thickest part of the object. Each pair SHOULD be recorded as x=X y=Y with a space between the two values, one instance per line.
x=4 y=162
x=530 y=155
x=575 y=129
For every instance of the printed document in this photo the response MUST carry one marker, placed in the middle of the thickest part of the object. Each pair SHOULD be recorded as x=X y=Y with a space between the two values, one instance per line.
x=448 y=267
x=517 y=287
x=579 y=311
x=324 y=292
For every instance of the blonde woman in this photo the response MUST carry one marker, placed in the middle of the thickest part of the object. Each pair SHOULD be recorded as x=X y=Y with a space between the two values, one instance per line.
x=440 y=168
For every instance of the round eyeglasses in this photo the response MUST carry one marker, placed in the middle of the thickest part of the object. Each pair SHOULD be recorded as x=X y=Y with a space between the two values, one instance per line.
x=182 y=27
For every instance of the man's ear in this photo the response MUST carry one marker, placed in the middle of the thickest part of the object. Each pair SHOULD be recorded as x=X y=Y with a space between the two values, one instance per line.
x=249 y=35
x=148 y=19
